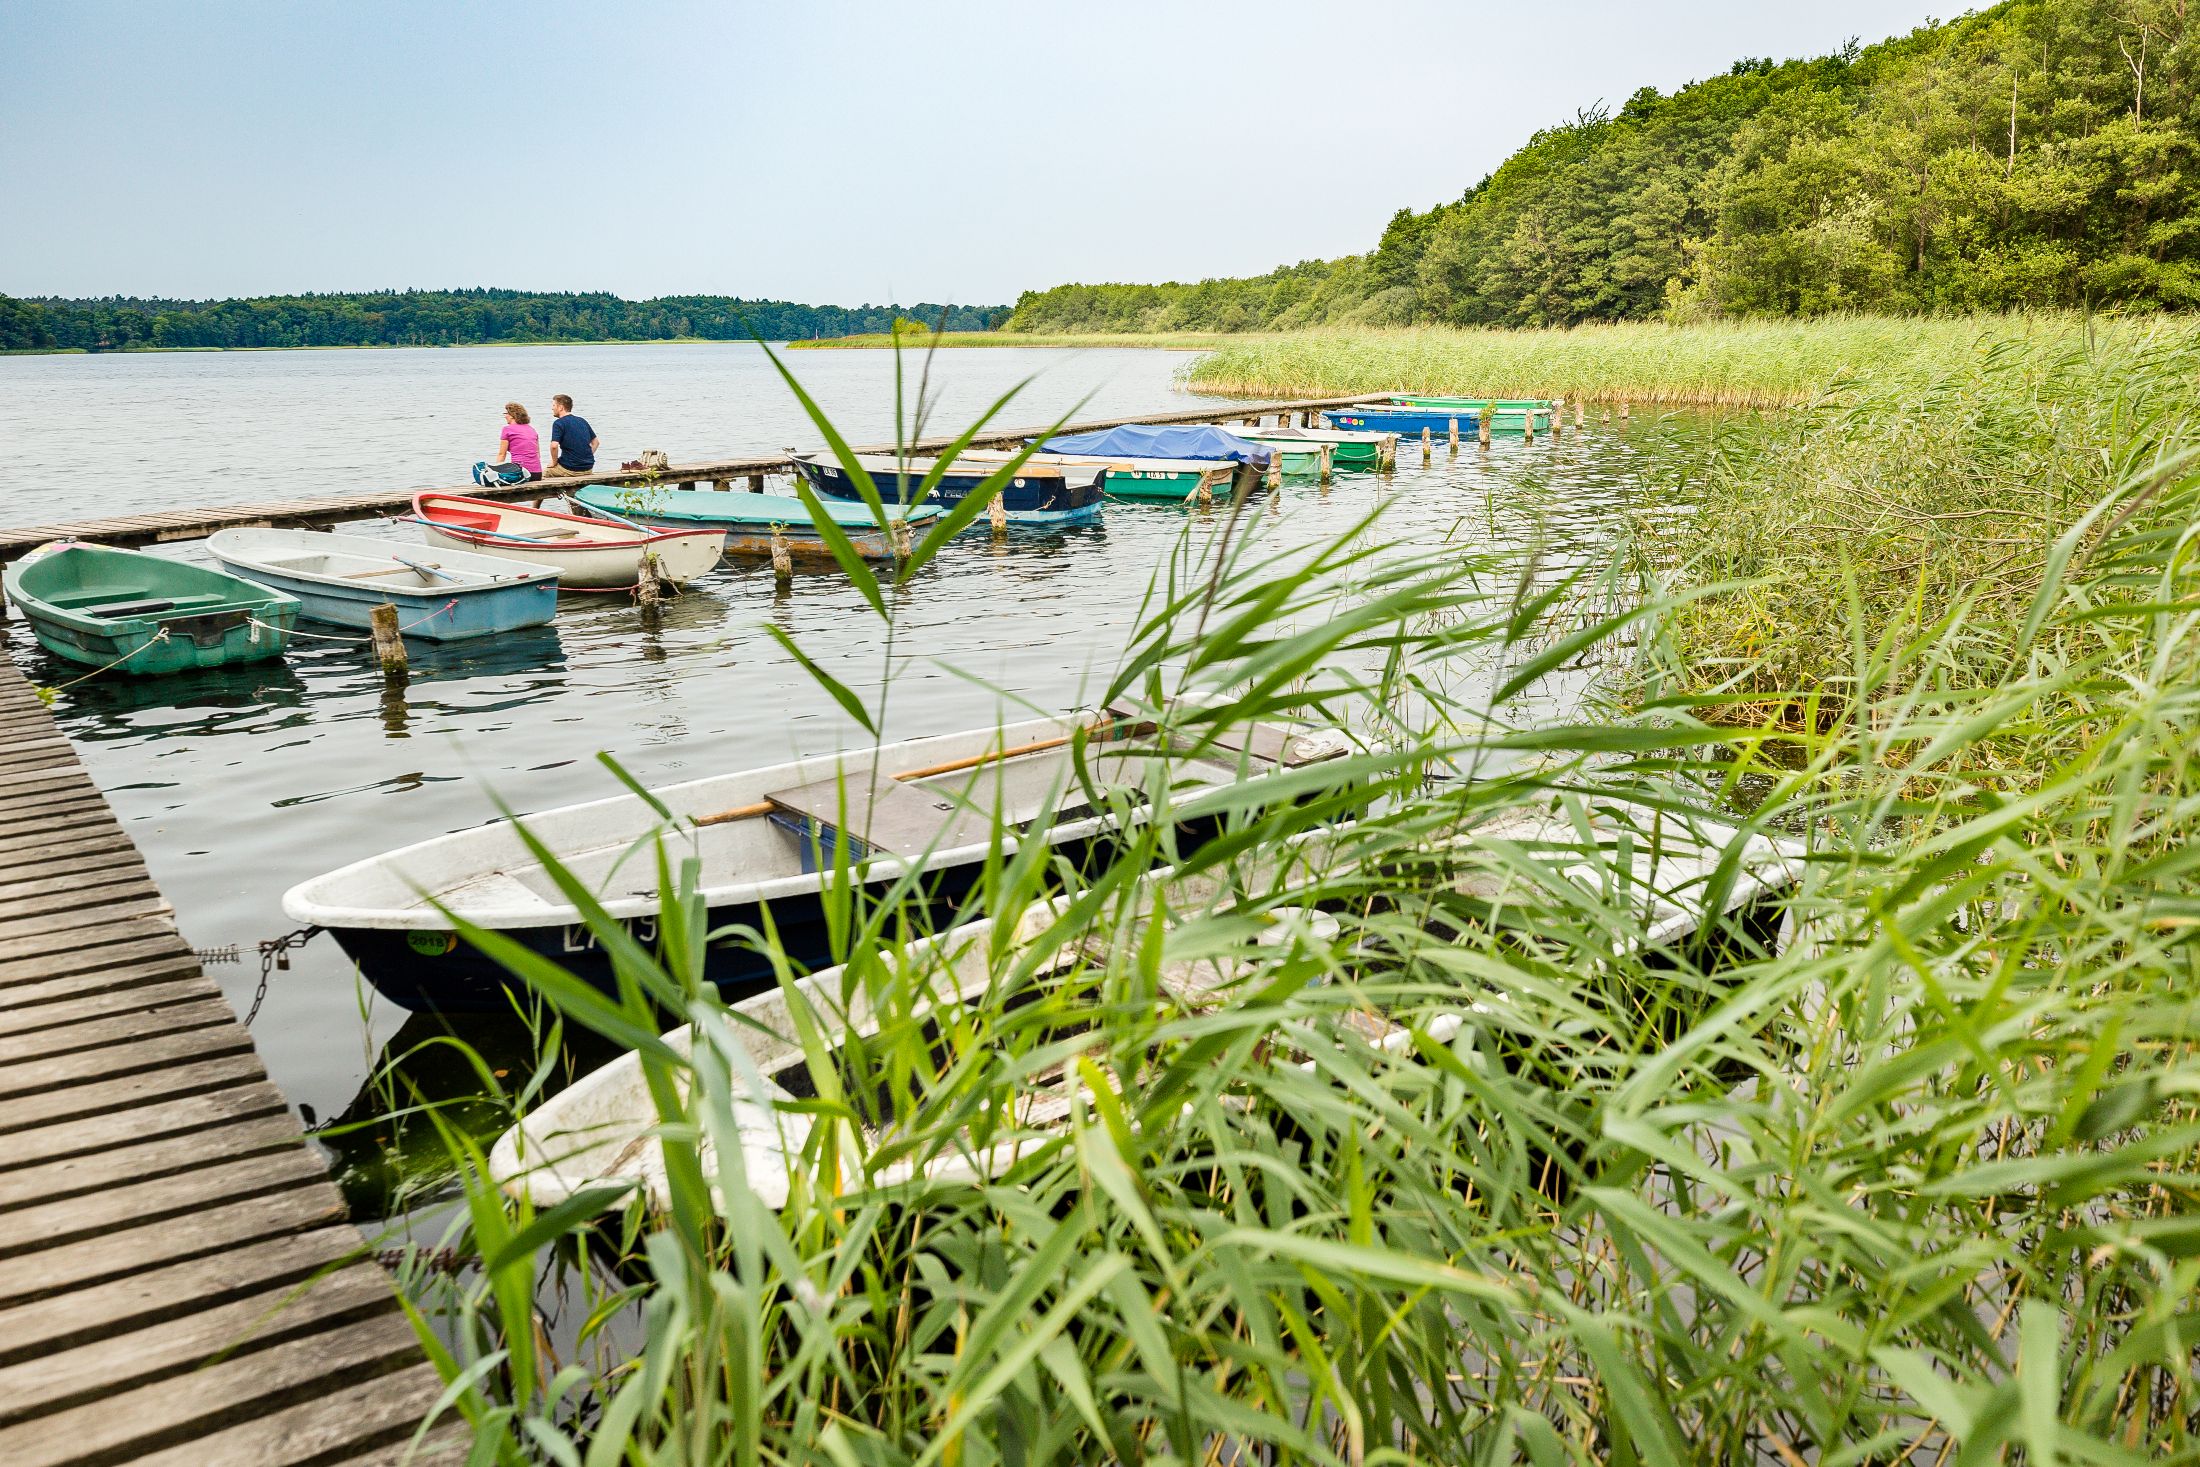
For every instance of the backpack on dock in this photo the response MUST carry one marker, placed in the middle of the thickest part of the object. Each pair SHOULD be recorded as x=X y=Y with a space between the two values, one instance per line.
x=487 y=474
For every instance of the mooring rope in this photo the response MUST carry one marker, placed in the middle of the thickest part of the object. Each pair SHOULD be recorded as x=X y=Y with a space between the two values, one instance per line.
x=156 y=638
x=449 y=605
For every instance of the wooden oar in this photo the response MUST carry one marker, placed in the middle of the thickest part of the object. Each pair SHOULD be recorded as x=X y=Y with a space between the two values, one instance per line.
x=764 y=807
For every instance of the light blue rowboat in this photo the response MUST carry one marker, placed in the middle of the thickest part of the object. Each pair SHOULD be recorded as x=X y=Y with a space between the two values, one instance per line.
x=441 y=595
x=749 y=519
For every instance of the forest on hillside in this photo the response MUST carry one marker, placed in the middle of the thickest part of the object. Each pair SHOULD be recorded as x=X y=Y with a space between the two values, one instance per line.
x=442 y=318
x=2040 y=153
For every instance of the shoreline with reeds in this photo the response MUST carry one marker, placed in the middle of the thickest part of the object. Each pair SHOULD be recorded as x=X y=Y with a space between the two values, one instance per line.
x=963 y=340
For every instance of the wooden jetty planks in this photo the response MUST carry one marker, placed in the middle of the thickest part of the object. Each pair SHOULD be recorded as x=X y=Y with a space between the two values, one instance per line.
x=327 y=509
x=177 y=1283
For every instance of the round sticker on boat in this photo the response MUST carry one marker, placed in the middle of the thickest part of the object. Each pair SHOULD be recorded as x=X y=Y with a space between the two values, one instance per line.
x=431 y=944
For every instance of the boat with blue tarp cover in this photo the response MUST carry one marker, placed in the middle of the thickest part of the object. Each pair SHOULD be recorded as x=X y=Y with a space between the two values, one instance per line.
x=1168 y=462
x=749 y=519
x=441 y=595
x=1412 y=415
x=1040 y=496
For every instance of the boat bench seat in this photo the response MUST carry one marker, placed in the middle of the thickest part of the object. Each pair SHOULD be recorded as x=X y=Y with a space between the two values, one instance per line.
x=898 y=819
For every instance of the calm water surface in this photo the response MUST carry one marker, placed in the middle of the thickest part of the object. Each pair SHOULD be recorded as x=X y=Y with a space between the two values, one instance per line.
x=237 y=784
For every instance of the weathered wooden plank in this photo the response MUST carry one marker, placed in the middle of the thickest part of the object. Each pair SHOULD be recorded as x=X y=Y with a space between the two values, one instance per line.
x=22 y=784
x=112 y=945
x=70 y=1219
x=58 y=842
x=161 y=1083
x=445 y=1446
x=282 y=1312
x=178 y=966
x=33 y=1148
x=37 y=936
x=19 y=1020
x=184 y=1414
x=116 y=1168
x=369 y=1423
x=53 y=1077
x=76 y=893
x=161 y=1292
x=39 y=867
x=53 y=1271
x=128 y=1028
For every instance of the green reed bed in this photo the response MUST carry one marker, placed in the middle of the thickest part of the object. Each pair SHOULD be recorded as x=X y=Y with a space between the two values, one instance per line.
x=1760 y=363
x=1915 y=1185
x=1168 y=340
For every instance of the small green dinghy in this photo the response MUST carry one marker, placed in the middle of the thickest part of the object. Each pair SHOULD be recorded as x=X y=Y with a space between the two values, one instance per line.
x=143 y=614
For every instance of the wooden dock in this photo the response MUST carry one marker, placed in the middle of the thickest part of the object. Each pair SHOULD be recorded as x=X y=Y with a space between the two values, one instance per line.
x=317 y=511
x=178 y=1283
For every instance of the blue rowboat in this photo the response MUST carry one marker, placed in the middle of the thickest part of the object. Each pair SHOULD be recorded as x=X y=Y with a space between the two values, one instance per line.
x=748 y=520
x=1041 y=496
x=441 y=595
x=1406 y=421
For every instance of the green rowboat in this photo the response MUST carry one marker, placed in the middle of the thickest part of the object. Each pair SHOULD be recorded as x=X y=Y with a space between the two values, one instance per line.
x=1169 y=480
x=1506 y=413
x=1347 y=450
x=143 y=614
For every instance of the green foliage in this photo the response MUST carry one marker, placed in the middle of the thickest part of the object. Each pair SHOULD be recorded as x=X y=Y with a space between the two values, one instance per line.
x=1913 y=1186
x=447 y=318
x=2038 y=154
x=23 y=326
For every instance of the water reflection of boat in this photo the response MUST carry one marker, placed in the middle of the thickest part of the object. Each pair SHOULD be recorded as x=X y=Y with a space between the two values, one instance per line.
x=385 y=1148
x=266 y=695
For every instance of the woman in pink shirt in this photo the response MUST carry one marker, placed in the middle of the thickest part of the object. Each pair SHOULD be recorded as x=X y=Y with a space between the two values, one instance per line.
x=518 y=442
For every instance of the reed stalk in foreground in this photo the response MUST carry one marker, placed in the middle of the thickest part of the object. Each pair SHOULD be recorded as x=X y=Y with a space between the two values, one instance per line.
x=1914 y=1186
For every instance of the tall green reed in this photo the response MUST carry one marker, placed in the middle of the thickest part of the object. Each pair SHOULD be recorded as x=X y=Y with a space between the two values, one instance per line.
x=1912 y=1186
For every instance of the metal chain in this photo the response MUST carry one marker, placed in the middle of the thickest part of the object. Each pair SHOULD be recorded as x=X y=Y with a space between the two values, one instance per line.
x=275 y=953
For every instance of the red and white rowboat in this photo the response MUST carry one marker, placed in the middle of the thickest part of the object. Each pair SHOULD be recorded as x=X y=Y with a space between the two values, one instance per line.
x=588 y=554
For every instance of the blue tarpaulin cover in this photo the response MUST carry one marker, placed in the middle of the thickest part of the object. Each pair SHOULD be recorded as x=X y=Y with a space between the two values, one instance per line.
x=1136 y=440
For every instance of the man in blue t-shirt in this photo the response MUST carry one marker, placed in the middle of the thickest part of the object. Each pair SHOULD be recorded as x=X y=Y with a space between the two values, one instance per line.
x=572 y=441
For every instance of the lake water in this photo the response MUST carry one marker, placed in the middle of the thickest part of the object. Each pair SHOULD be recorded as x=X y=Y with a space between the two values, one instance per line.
x=238 y=784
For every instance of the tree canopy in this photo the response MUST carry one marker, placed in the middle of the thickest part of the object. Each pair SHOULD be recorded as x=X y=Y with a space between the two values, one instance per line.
x=2040 y=153
x=443 y=318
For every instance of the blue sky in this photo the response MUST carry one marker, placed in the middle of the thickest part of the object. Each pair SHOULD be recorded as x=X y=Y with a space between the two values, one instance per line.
x=958 y=150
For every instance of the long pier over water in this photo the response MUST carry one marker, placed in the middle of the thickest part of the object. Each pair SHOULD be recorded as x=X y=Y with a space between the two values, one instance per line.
x=326 y=509
x=178 y=1284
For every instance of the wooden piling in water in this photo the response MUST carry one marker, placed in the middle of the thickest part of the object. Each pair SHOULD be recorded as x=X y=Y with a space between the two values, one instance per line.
x=1580 y=415
x=756 y=483
x=996 y=516
x=648 y=582
x=1482 y=424
x=722 y=485
x=1527 y=425
x=1453 y=436
x=1428 y=447
x=389 y=646
x=782 y=559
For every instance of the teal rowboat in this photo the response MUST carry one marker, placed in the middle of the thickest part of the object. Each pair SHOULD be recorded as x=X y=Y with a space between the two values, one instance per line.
x=749 y=520
x=143 y=614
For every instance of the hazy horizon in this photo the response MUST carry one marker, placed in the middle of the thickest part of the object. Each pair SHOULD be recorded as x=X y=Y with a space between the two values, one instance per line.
x=837 y=154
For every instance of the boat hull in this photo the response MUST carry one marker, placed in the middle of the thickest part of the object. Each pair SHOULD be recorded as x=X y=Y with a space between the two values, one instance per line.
x=1032 y=501
x=455 y=598
x=434 y=969
x=203 y=618
x=601 y=555
x=754 y=539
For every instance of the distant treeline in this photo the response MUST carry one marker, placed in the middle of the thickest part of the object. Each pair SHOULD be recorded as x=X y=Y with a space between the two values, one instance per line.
x=2038 y=153
x=443 y=318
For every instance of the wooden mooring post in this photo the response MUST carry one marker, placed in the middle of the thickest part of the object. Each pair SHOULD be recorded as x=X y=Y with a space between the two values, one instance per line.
x=1482 y=424
x=389 y=644
x=756 y=483
x=1428 y=447
x=782 y=559
x=1453 y=436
